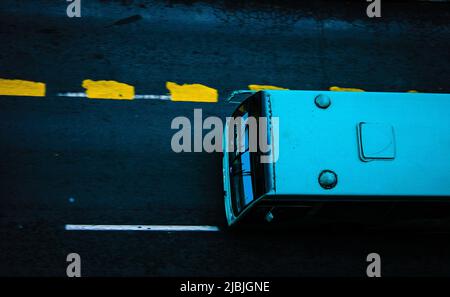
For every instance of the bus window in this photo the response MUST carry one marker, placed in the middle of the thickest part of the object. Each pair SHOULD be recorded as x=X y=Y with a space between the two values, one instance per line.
x=241 y=174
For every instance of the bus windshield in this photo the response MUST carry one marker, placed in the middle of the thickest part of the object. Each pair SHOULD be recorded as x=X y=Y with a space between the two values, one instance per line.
x=248 y=176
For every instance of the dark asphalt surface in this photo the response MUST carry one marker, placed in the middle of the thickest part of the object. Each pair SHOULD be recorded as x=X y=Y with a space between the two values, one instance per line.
x=113 y=158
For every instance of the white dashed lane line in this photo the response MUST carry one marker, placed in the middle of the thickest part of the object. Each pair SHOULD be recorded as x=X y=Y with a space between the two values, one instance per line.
x=137 y=97
x=157 y=228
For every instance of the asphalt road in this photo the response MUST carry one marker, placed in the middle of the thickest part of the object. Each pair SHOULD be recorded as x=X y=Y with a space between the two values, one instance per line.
x=83 y=161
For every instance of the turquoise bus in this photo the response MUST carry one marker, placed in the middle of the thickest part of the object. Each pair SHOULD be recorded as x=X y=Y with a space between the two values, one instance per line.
x=348 y=149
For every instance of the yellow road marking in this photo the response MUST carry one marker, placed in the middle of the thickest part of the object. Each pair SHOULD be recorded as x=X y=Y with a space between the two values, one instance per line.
x=192 y=92
x=413 y=91
x=264 y=87
x=16 y=87
x=339 y=89
x=108 y=89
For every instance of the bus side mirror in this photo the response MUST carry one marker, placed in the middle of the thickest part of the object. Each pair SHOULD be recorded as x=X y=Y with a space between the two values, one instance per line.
x=269 y=216
x=239 y=96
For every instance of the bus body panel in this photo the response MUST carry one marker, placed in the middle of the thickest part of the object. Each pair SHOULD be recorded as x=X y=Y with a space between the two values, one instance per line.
x=313 y=139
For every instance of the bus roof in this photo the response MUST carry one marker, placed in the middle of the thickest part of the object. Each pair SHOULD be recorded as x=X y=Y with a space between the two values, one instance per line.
x=375 y=143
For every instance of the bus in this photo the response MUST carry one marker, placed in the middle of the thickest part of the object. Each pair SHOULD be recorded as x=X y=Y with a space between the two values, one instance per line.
x=339 y=149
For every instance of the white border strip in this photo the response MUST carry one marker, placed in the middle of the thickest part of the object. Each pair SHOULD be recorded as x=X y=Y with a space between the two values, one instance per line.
x=164 y=228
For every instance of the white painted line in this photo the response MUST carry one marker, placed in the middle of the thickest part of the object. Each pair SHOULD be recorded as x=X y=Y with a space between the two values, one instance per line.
x=72 y=94
x=166 y=228
x=138 y=97
x=155 y=97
